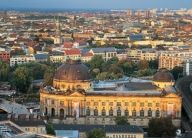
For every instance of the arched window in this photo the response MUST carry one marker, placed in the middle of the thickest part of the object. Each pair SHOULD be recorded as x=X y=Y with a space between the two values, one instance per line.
x=111 y=112
x=149 y=113
x=119 y=112
x=103 y=113
x=134 y=113
x=96 y=112
x=45 y=110
x=52 y=112
x=157 y=113
x=88 y=112
x=142 y=113
x=126 y=112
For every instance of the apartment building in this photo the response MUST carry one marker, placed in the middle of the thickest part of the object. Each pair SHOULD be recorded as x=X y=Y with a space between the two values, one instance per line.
x=170 y=60
x=137 y=54
x=5 y=56
x=106 y=53
x=21 y=59
x=74 y=54
x=56 y=56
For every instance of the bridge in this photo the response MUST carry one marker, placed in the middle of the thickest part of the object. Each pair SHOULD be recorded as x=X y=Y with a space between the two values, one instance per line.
x=184 y=85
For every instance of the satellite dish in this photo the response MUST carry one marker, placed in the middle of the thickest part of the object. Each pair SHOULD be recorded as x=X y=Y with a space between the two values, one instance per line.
x=178 y=132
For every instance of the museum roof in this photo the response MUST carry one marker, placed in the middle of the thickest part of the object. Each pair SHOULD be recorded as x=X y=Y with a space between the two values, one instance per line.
x=73 y=70
x=163 y=76
x=106 y=128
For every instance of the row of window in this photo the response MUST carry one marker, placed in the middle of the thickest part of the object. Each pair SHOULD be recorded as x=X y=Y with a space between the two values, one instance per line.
x=120 y=103
x=126 y=113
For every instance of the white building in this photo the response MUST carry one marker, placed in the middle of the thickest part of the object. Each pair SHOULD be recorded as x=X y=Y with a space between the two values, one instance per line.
x=21 y=59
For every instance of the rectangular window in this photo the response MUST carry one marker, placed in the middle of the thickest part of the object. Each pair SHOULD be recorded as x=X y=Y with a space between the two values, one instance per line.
x=52 y=101
x=33 y=129
x=95 y=103
x=142 y=104
x=133 y=103
x=103 y=103
x=61 y=103
x=157 y=104
x=118 y=103
x=149 y=104
x=126 y=104
x=88 y=103
x=110 y=103
x=45 y=101
x=108 y=54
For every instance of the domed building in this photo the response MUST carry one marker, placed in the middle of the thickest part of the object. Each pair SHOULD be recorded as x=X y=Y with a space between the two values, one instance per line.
x=75 y=99
x=73 y=75
x=163 y=78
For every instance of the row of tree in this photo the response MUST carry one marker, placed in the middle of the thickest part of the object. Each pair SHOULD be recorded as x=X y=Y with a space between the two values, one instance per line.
x=115 y=68
x=22 y=76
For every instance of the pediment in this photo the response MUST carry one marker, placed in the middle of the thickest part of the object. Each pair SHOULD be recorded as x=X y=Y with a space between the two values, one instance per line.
x=76 y=94
x=171 y=95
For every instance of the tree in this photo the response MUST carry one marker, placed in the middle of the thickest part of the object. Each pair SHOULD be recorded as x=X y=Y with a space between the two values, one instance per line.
x=176 y=72
x=96 y=133
x=48 y=76
x=121 y=120
x=146 y=72
x=96 y=62
x=143 y=64
x=153 y=64
x=159 y=127
x=4 y=71
x=50 y=130
x=22 y=79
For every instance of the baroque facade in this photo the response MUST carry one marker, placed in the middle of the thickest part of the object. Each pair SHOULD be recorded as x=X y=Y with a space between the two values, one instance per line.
x=72 y=99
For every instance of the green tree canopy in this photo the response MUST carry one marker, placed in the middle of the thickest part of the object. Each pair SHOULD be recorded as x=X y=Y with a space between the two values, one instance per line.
x=48 y=76
x=50 y=130
x=159 y=127
x=121 y=120
x=22 y=78
x=96 y=62
x=146 y=72
x=96 y=133
x=177 y=72
x=4 y=71
x=143 y=64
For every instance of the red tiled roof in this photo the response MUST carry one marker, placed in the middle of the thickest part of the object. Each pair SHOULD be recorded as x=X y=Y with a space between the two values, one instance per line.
x=67 y=45
x=13 y=35
x=87 y=54
x=72 y=52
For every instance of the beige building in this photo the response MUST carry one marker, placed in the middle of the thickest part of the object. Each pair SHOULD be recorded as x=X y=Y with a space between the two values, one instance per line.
x=112 y=131
x=137 y=54
x=21 y=59
x=33 y=123
x=106 y=53
x=72 y=99
x=170 y=60
x=56 y=56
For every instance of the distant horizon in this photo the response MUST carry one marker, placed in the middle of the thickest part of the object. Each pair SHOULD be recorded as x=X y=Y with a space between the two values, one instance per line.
x=95 y=5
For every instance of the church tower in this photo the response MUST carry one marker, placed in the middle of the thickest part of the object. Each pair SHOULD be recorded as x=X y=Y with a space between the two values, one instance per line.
x=57 y=39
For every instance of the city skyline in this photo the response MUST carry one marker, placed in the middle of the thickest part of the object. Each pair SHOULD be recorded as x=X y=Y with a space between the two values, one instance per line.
x=99 y=4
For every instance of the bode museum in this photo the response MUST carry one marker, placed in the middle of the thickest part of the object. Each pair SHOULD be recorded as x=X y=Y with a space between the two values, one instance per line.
x=75 y=98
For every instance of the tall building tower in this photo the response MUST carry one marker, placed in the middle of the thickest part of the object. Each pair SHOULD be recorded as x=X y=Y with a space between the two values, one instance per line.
x=138 y=13
x=57 y=39
x=129 y=12
x=146 y=14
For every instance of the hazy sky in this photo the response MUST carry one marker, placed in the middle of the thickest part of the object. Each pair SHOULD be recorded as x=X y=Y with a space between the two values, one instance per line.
x=96 y=4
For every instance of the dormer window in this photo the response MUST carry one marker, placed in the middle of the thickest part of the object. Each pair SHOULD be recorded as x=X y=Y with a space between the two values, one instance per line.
x=64 y=72
x=78 y=73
